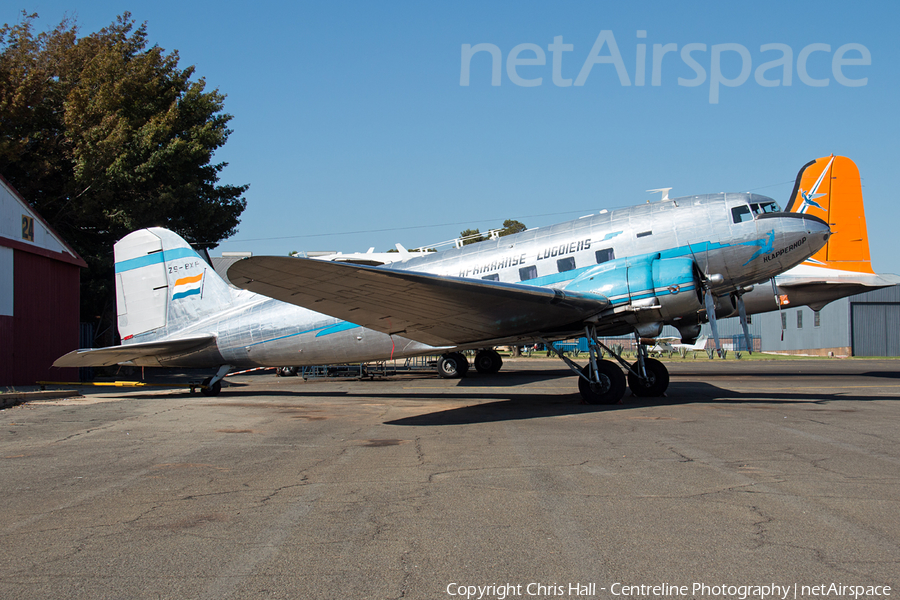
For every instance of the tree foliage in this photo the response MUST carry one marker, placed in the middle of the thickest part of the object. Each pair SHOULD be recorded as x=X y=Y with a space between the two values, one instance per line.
x=471 y=236
x=474 y=236
x=104 y=134
x=511 y=226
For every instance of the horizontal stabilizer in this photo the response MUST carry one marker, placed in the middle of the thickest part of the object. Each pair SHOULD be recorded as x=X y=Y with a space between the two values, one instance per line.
x=111 y=355
x=431 y=309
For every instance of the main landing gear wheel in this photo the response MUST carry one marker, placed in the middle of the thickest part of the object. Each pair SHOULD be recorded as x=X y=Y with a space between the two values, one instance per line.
x=463 y=363
x=608 y=390
x=453 y=365
x=211 y=390
x=657 y=379
x=488 y=362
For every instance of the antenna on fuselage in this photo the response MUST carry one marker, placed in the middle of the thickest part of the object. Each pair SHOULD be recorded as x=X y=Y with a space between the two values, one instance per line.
x=663 y=191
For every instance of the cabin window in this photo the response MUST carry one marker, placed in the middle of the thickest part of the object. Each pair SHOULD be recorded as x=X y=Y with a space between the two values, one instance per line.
x=526 y=273
x=565 y=264
x=742 y=213
x=605 y=255
x=644 y=234
x=492 y=277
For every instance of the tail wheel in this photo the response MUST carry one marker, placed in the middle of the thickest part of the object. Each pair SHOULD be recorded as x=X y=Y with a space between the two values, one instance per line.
x=610 y=387
x=657 y=379
x=211 y=390
x=488 y=362
x=452 y=366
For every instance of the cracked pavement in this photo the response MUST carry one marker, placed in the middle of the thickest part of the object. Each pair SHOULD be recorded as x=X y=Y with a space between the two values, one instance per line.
x=746 y=473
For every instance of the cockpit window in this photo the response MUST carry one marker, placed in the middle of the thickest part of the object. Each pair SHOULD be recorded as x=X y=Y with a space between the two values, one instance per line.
x=745 y=212
x=764 y=207
x=739 y=214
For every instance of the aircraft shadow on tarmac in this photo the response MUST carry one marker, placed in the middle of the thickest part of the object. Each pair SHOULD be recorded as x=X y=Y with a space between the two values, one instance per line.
x=509 y=401
x=887 y=374
x=517 y=406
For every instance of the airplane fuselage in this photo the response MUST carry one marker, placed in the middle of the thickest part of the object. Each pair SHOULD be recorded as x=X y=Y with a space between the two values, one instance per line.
x=730 y=247
x=699 y=227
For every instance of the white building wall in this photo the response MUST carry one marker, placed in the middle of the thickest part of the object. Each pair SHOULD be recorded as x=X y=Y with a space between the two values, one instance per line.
x=12 y=209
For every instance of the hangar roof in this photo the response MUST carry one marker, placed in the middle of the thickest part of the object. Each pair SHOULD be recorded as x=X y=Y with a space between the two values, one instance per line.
x=22 y=228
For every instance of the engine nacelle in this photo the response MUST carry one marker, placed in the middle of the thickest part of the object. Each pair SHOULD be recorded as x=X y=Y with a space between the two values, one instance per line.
x=670 y=287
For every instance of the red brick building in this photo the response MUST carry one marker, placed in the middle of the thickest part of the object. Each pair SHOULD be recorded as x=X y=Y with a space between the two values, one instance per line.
x=39 y=294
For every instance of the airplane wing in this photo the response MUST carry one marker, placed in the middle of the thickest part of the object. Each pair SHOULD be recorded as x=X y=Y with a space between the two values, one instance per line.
x=431 y=309
x=111 y=355
x=817 y=286
x=863 y=281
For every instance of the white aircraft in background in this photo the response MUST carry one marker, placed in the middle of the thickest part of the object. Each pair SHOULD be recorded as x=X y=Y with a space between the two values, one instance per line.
x=674 y=344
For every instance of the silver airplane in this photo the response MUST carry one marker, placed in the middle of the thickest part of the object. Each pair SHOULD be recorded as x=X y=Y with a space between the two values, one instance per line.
x=626 y=271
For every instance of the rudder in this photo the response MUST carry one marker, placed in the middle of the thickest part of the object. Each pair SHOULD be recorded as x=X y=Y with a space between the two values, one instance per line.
x=163 y=285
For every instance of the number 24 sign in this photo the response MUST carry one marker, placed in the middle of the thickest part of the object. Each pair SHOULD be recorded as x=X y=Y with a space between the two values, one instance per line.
x=27 y=228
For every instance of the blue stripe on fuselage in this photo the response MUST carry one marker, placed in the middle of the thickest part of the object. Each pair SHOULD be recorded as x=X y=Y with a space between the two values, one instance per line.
x=344 y=326
x=320 y=331
x=681 y=251
x=155 y=258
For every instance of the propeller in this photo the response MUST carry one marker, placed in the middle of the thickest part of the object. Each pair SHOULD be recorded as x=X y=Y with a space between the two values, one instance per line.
x=778 y=304
x=709 y=299
x=742 y=311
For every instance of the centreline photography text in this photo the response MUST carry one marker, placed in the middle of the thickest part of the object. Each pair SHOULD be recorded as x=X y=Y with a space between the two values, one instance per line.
x=795 y=591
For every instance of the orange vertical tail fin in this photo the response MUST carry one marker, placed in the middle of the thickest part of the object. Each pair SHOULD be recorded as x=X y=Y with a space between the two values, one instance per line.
x=830 y=188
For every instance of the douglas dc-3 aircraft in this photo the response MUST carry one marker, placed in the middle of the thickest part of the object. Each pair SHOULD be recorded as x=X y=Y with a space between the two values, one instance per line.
x=626 y=271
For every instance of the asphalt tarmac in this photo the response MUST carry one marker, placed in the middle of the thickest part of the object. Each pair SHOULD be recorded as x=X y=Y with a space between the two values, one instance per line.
x=748 y=474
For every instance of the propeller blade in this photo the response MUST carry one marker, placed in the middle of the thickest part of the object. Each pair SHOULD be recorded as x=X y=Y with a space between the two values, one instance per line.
x=778 y=304
x=710 y=301
x=742 y=310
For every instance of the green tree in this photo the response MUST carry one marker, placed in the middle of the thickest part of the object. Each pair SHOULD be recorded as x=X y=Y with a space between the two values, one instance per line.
x=474 y=236
x=511 y=226
x=104 y=135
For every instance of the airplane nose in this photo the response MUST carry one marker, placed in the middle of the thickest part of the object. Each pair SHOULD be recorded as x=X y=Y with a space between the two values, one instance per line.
x=817 y=231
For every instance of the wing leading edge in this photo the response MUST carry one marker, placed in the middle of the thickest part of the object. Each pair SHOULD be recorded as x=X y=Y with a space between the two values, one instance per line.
x=431 y=309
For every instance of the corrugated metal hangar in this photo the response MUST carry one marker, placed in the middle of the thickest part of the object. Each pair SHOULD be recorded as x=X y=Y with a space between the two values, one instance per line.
x=39 y=294
x=862 y=325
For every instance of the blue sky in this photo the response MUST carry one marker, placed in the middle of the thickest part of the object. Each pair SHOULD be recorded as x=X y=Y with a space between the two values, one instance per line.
x=352 y=128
